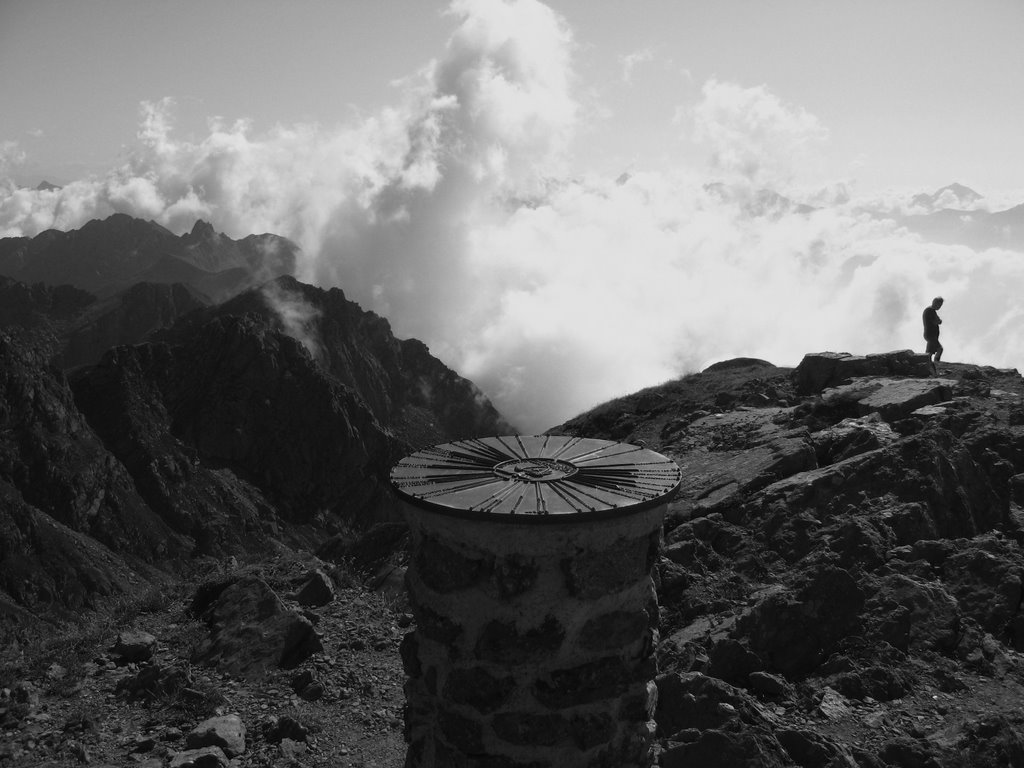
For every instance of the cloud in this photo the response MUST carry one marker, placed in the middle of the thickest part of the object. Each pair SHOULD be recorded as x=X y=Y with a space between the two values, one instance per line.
x=752 y=135
x=631 y=61
x=452 y=214
x=297 y=316
x=11 y=156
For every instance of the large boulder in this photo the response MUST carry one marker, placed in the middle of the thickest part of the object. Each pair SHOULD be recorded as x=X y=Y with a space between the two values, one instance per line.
x=133 y=646
x=225 y=731
x=317 y=590
x=251 y=630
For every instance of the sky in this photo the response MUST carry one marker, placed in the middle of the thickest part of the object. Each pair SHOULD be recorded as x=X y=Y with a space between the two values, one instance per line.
x=524 y=186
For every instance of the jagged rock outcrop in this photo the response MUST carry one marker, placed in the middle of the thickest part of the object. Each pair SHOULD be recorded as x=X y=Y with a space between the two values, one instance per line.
x=250 y=628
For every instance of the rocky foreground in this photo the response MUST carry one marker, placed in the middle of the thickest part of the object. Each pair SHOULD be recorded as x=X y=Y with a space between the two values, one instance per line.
x=841 y=585
x=289 y=662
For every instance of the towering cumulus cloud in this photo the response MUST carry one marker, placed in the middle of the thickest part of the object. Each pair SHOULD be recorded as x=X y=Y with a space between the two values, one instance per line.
x=452 y=214
x=753 y=135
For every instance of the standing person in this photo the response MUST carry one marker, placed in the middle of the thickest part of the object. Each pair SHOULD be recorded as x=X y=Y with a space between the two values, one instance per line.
x=932 y=321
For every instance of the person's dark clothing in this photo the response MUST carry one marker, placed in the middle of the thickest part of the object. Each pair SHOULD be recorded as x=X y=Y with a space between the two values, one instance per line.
x=931 y=331
x=931 y=324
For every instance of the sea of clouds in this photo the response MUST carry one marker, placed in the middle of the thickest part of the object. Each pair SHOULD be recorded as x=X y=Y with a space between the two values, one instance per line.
x=452 y=213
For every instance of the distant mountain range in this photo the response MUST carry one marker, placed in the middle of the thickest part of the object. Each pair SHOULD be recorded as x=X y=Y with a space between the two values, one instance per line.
x=948 y=216
x=953 y=195
x=106 y=256
x=949 y=219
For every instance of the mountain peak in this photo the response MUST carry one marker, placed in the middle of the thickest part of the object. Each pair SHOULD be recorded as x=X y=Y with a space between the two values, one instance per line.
x=959 y=189
x=202 y=230
x=953 y=195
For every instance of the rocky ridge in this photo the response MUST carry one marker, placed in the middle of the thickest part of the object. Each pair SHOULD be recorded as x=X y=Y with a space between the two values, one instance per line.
x=841 y=582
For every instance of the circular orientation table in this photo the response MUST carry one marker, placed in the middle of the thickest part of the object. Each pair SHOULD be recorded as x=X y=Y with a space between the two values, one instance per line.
x=540 y=478
x=531 y=581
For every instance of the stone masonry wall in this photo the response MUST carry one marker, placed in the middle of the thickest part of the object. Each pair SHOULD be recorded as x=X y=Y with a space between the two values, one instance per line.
x=534 y=643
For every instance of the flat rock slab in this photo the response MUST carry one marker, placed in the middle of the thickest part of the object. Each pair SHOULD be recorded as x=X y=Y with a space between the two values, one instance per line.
x=833 y=705
x=820 y=483
x=734 y=453
x=892 y=399
x=820 y=370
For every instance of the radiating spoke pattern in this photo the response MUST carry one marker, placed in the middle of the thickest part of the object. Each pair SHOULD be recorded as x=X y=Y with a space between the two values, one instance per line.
x=535 y=476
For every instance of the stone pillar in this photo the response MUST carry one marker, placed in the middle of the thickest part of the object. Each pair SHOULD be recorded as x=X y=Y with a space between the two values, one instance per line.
x=535 y=630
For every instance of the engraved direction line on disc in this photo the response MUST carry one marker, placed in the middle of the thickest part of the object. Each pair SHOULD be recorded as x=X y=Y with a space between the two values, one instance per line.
x=569 y=444
x=607 y=451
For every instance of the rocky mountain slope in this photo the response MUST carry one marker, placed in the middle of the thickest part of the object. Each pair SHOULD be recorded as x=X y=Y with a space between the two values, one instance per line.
x=841 y=583
x=270 y=420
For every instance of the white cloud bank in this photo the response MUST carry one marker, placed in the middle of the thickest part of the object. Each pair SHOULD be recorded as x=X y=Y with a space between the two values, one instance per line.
x=452 y=215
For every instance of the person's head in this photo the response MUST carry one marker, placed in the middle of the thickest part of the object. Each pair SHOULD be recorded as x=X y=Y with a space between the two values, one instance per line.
x=936 y=302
